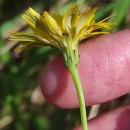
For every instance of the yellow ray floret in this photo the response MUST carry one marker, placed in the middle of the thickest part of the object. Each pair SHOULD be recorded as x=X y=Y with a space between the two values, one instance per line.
x=63 y=32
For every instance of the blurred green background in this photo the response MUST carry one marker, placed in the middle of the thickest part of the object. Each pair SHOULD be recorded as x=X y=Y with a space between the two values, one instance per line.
x=22 y=106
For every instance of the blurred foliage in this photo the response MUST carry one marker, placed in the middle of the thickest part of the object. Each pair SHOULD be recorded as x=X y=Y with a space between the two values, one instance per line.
x=20 y=72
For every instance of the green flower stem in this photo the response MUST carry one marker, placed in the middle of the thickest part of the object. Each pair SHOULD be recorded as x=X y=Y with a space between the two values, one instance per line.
x=75 y=76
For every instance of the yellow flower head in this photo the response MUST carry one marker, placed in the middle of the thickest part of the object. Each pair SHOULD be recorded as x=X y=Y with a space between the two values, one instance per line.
x=62 y=32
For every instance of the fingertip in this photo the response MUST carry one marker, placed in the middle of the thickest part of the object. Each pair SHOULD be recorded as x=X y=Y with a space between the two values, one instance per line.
x=117 y=119
x=54 y=81
x=103 y=69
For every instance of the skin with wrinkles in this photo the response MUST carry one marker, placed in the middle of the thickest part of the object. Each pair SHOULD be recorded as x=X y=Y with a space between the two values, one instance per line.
x=114 y=120
x=104 y=69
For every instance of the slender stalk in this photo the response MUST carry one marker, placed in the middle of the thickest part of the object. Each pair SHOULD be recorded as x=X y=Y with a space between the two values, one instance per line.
x=75 y=76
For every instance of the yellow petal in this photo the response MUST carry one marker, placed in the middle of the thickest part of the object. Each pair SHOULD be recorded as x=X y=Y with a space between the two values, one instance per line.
x=103 y=25
x=25 y=46
x=74 y=20
x=107 y=17
x=37 y=23
x=52 y=24
x=59 y=19
x=28 y=37
x=97 y=33
x=22 y=47
x=85 y=18
x=66 y=22
x=75 y=15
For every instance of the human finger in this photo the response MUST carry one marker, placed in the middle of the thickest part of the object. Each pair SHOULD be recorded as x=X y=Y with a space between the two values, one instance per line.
x=118 y=119
x=104 y=70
